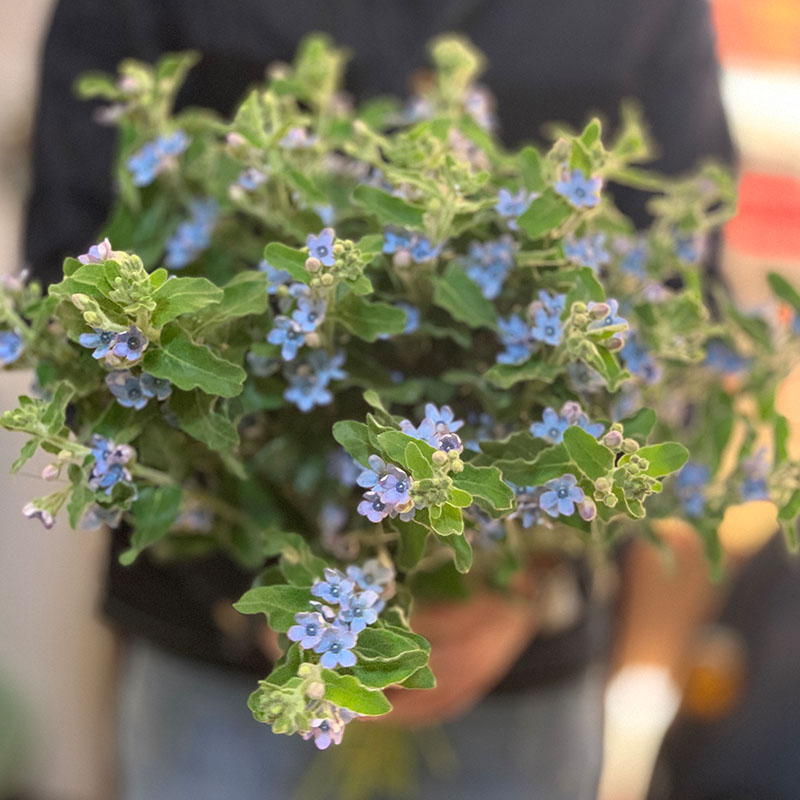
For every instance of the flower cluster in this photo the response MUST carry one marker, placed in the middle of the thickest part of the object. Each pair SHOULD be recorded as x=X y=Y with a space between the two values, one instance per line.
x=192 y=236
x=109 y=466
x=489 y=263
x=588 y=251
x=153 y=157
x=309 y=379
x=553 y=424
x=690 y=486
x=557 y=497
x=388 y=491
x=125 y=347
x=407 y=247
x=134 y=391
x=542 y=324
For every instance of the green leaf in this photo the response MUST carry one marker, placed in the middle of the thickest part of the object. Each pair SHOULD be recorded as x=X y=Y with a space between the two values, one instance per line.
x=550 y=463
x=591 y=133
x=388 y=209
x=380 y=674
x=423 y=678
x=280 y=603
x=369 y=320
x=579 y=158
x=461 y=297
x=608 y=366
x=521 y=444
x=25 y=454
x=781 y=287
x=80 y=497
x=531 y=168
x=154 y=512
x=297 y=563
x=183 y=296
x=664 y=458
x=544 y=215
x=586 y=287
x=487 y=487
x=394 y=443
x=462 y=551
x=197 y=417
x=459 y=498
x=380 y=644
x=639 y=425
x=593 y=459
x=413 y=538
x=250 y=120
x=243 y=295
x=53 y=417
x=450 y=522
x=192 y=366
x=506 y=375
x=346 y=691
x=420 y=466
x=293 y=261
x=354 y=437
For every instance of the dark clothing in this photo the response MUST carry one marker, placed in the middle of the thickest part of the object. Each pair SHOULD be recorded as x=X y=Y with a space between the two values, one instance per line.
x=547 y=61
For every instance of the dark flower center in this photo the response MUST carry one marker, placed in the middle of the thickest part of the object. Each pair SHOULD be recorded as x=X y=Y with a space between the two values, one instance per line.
x=133 y=343
x=311 y=629
x=322 y=250
x=378 y=505
x=134 y=393
x=554 y=433
x=335 y=647
x=562 y=493
x=580 y=192
x=400 y=487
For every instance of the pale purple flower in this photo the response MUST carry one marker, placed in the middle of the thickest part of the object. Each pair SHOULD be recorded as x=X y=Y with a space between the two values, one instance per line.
x=31 y=511
x=336 y=648
x=561 y=495
x=308 y=630
x=98 y=253
x=321 y=246
x=335 y=588
x=360 y=610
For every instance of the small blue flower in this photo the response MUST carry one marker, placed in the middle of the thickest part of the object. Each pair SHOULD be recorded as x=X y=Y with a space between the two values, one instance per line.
x=370 y=477
x=100 y=340
x=326 y=213
x=160 y=388
x=515 y=335
x=335 y=589
x=98 y=253
x=723 y=359
x=595 y=429
x=443 y=416
x=612 y=318
x=580 y=191
x=488 y=265
x=275 y=277
x=633 y=257
x=394 y=486
x=309 y=314
x=690 y=487
x=287 y=333
x=553 y=304
x=422 y=249
x=426 y=431
x=172 y=145
x=11 y=347
x=527 y=509
x=306 y=390
x=251 y=179
x=360 y=610
x=396 y=241
x=512 y=206
x=109 y=464
x=546 y=327
x=754 y=489
x=193 y=236
x=127 y=389
x=372 y=575
x=560 y=496
x=588 y=251
x=412 y=317
x=297 y=139
x=321 y=246
x=688 y=247
x=129 y=345
x=551 y=428
x=327 y=368
x=147 y=162
x=639 y=361
x=309 y=629
x=336 y=648
x=374 y=507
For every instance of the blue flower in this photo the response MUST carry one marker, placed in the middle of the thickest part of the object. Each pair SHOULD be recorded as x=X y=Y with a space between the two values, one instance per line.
x=129 y=345
x=193 y=236
x=251 y=179
x=634 y=257
x=100 y=340
x=546 y=327
x=422 y=249
x=488 y=265
x=109 y=464
x=515 y=334
x=394 y=486
x=588 y=251
x=160 y=388
x=327 y=368
x=412 y=317
x=308 y=630
x=560 y=496
x=396 y=241
x=595 y=429
x=690 y=487
x=297 y=139
x=287 y=333
x=553 y=304
x=372 y=575
x=127 y=389
x=443 y=416
x=325 y=732
x=754 y=485
x=306 y=390
x=374 y=507
x=612 y=318
x=723 y=359
x=309 y=314
x=321 y=246
x=275 y=277
x=98 y=253
x=639 y=361
x=754 y=489
x=688 y=247
x=360 y=610
x=336 y=648
x=512 y=206
x=96 y=516
x=580 y=191
x=551 y=428
x=370 y=477
x=527 y=509
x=326 y=213
x=336 y=588
x=11 y=346
x=145 y=164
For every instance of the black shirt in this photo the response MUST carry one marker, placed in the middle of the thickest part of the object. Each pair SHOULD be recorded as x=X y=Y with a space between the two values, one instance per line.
x=548 y=60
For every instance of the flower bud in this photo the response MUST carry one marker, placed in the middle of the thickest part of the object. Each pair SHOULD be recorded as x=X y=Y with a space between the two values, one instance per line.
x=439 y=458
x=629 y=445
x=235 y=141
x=613 y=344
x=313 y=264
x=327 y=279
x=338 y=249
x=50 y=472
x=81 y=301
x=610 y=500
x=600 y=310
x=316 y=690
x=613 y=439
x=587 y=509
x=602 y=484
x=313 y=339
x=578 y=307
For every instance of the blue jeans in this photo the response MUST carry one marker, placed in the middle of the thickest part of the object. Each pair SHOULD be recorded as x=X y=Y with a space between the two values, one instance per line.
x=185 y=733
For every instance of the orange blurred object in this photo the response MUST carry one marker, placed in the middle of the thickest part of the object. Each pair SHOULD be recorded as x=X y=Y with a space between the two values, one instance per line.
x=758 y=31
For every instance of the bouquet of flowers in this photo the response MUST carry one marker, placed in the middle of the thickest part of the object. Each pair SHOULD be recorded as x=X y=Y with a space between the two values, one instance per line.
x=370 y=353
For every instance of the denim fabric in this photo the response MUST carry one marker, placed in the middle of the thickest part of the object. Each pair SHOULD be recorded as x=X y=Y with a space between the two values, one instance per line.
x=185 y=733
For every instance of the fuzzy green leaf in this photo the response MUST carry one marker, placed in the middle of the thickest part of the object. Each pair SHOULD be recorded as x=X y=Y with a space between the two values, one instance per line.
x=346 y=691
x=183 y=296
x=154 y=512
x=544 y=215
x=369 y=320
x=280 y=603
x=506 y=375
x=592 y=458
x=388 y=209
x=461 y=297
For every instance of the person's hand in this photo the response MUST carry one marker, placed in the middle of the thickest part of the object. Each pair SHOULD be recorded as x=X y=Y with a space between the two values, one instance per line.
x=473 y=645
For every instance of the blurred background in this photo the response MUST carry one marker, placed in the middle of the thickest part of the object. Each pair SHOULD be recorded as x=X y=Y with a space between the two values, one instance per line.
x=56 y=657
